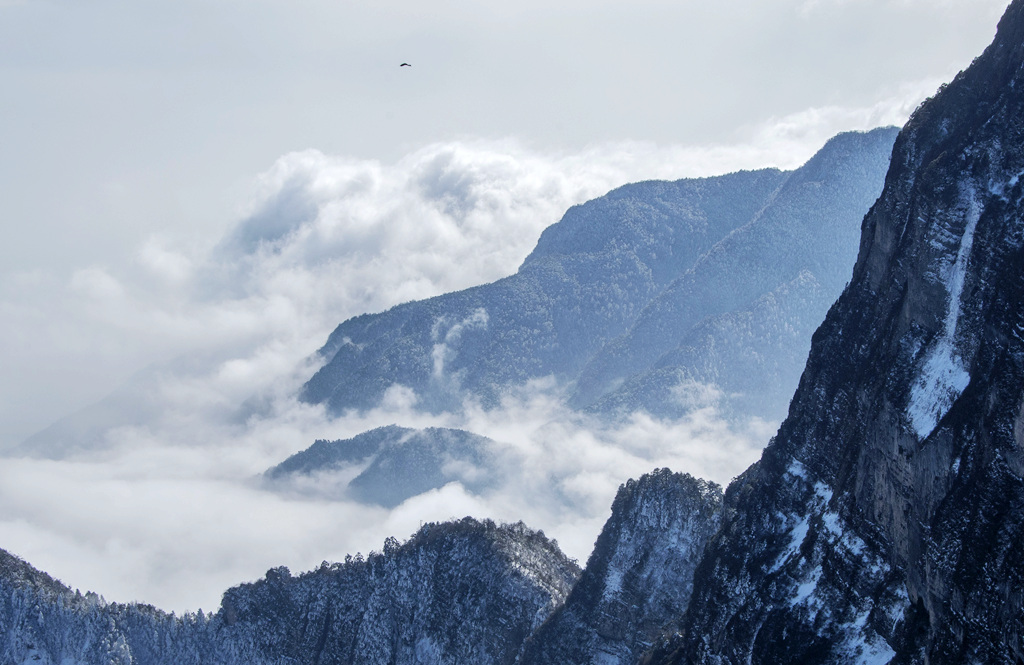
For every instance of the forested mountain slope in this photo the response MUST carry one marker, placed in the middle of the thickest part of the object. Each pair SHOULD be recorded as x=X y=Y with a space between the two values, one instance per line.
x=459 y=592
x=648 y=269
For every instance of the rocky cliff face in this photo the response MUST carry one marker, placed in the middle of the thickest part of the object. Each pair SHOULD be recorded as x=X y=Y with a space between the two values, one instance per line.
x=638 y=580
x=461 y=592
x=649 y=269
x=885 y=522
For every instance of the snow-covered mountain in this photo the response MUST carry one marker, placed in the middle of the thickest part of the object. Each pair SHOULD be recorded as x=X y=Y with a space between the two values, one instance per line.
x=584 y=283
x=388 y=465
x=628 y=302
x=638 y=284
x=460 y=592
x=741 y=317
x=883 y=524
x=639 y=579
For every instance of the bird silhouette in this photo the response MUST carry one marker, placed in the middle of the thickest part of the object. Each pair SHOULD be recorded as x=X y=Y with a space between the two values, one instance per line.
x=405 y=64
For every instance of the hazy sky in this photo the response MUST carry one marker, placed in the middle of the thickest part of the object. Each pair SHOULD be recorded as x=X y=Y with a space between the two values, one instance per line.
x=121 y=118
x=136 y=136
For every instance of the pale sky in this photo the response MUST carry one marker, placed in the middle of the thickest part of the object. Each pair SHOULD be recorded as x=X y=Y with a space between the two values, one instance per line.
x=121 y=118
x=136 y=134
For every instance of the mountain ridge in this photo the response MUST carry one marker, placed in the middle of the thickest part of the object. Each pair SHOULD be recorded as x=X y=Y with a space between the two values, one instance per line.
x=639 y=577
x=594 y=276
x=884 y=523
x=438 y=596
x=387 y=465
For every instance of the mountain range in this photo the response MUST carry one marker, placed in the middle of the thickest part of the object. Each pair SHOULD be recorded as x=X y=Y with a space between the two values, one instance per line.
x=884 y=523
x=639 y=300
x=656 y=285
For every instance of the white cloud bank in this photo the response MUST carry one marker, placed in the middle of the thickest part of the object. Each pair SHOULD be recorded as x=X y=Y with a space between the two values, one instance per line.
x=172 y=514
x=166 y=512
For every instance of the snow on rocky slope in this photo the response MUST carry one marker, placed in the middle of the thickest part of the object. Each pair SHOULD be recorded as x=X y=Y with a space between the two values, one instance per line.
x=458 y=592
x=885 y=522
x=638 y=581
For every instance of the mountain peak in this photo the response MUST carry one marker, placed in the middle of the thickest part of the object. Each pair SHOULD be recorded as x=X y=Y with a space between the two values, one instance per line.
x=639 y=578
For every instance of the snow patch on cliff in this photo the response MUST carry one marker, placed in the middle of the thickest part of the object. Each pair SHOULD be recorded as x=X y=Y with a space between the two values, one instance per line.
x=943 y=376
x=864 y=646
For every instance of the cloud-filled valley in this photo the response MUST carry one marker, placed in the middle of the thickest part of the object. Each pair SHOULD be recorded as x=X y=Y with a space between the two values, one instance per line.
x=211 y=338
x=173 y=513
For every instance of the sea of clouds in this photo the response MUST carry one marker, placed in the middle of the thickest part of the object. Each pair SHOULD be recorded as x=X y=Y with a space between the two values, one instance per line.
x=153 y=495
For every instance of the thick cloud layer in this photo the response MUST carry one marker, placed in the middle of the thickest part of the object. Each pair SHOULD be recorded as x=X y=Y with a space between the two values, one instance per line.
x=219 y=332
x=173 y=514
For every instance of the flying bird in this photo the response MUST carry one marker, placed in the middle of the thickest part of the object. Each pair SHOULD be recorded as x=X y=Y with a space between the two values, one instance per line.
x=405 y=64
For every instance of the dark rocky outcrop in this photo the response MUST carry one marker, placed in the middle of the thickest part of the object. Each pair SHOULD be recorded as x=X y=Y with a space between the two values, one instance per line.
x=885 y=523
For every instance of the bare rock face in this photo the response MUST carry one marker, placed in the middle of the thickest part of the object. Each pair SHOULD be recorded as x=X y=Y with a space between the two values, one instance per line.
x=638 y=581
x=885 y=523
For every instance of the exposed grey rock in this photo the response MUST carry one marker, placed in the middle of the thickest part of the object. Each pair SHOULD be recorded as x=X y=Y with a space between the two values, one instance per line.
x=885 y=523
x=638 y=581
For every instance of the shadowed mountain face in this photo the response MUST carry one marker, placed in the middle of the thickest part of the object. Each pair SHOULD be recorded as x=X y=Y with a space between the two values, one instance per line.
x=655 y=285
x=388 y=465
x=886 y=520
x=741 y=318
x=586 y=281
